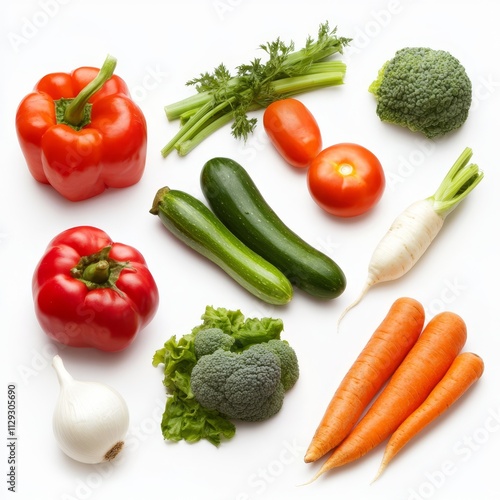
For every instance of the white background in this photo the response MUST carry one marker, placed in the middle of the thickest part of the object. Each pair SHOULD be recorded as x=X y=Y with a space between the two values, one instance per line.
x=159 y=46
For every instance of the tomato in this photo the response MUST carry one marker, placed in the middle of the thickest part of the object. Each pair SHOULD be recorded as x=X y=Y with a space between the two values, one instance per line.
x=293 y=131
x=346 y=179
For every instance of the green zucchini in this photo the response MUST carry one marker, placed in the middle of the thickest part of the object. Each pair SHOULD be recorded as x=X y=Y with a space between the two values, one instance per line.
x=236 y=201
x=194 y=224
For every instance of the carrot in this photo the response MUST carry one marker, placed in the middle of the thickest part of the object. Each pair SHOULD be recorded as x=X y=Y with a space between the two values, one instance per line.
x=466 y=369
x=385 y=350
x=414 y=229
x=424 y=366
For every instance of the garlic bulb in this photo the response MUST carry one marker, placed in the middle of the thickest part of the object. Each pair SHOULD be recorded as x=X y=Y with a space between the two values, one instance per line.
x=90 y=420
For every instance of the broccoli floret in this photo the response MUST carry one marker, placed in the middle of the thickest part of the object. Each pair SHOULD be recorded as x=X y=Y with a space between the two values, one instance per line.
x=423 y=89
x=288 y=361
x=227 y=367
x=243 y=386
x=209 y=340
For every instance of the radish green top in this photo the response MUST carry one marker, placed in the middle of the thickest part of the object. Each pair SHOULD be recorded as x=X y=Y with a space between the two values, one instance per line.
x=460 y=180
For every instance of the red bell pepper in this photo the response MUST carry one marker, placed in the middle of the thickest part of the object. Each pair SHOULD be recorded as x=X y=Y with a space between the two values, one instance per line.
x=81 y=132
x=91 y=292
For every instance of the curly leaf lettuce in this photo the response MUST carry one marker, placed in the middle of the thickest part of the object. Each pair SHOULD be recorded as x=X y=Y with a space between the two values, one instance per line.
x=184 y=418
x=246 y=331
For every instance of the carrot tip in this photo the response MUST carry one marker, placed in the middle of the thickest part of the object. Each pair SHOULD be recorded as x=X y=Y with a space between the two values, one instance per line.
x=312 y=454
x=312 y=479
x=379 y=473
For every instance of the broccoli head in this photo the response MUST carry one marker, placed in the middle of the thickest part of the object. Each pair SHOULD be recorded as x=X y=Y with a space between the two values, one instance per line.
x=423 y=89
x=209 y=340
x=288 y=361
x=227 y=367
x=243 y=386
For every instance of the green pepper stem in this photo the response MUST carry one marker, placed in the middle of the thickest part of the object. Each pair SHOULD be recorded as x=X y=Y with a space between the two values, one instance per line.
x=98 y=272
x=74 y=112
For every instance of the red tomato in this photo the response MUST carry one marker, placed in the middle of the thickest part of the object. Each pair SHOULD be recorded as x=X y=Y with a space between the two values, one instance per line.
x=346 y=179
x=293 y=131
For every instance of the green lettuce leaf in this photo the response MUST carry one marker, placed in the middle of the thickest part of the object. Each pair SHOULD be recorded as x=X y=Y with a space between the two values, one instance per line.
x=256 y=331
x=246 y=331
x=184 y=418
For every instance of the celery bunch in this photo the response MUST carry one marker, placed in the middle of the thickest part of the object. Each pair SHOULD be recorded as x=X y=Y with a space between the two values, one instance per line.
x=222 y=97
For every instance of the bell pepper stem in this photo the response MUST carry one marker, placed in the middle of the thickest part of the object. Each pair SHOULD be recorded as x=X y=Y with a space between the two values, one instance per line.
x=75 y=111
x=97 y=272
